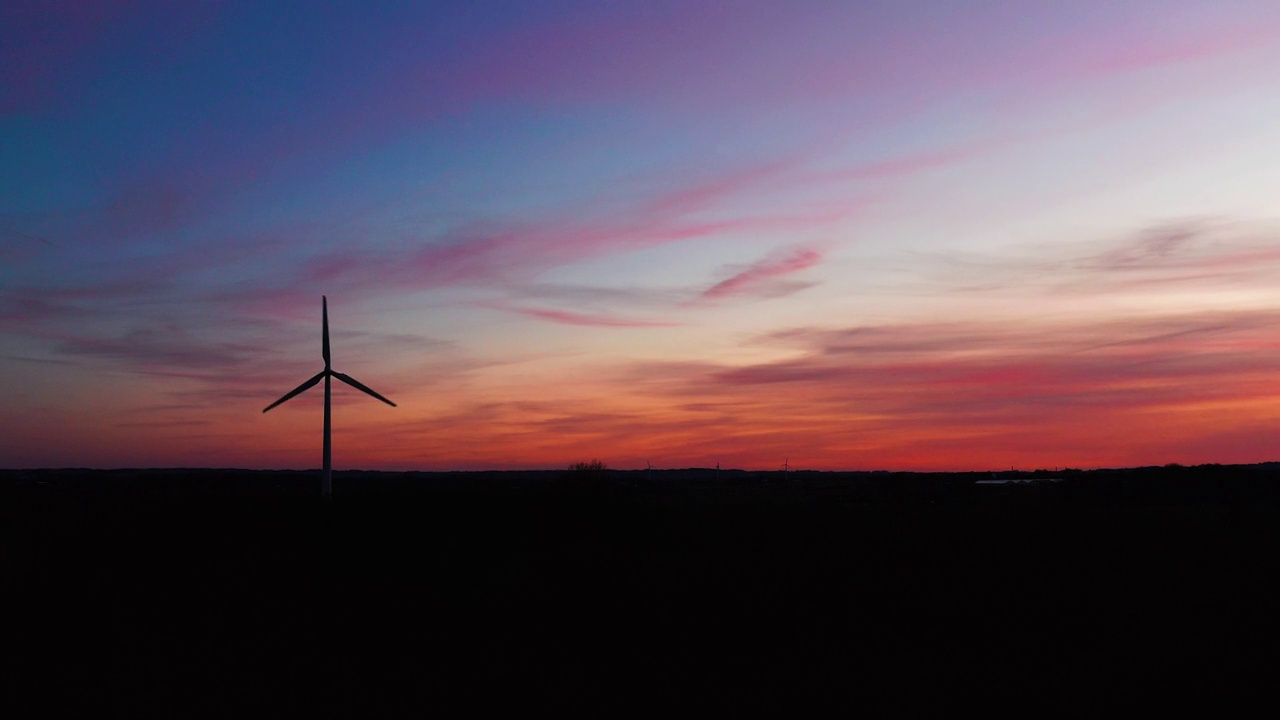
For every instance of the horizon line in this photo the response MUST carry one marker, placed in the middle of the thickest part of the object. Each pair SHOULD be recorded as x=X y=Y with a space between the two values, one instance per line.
x=565 y=468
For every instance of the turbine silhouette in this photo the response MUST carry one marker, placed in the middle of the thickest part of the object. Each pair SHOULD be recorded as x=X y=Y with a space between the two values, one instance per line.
x=326 y=477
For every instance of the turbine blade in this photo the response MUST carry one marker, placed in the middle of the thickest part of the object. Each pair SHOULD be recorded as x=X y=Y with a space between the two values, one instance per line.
x=301 y=388
x=357 y=385
x=324 y=319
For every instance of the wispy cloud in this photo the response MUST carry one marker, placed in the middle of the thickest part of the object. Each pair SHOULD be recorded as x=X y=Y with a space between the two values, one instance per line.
x=568 y=317
x=164 y=424
x=1101 y=55
x=1201 y=253
x=1192 y=250
x=181 y=192
x=162 y=348
x=759 y=279
x=911 y=396
x=520 y=252
x=1013 y=384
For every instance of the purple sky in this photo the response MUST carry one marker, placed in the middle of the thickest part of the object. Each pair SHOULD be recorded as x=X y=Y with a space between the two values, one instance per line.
x=901 y=235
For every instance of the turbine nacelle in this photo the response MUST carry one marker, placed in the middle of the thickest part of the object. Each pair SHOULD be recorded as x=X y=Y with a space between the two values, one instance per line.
x=320 y=376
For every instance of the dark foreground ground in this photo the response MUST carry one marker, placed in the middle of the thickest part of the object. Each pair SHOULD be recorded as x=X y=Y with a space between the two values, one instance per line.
x=175 y=591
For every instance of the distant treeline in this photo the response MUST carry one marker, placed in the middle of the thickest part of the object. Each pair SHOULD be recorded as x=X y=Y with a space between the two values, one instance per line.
x=1211 y=483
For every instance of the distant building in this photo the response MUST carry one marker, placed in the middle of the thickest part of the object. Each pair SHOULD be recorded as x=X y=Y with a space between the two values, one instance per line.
x=1017 y=481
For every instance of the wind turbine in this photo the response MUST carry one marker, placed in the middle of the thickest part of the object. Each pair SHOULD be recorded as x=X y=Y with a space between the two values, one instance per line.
x=326 y=478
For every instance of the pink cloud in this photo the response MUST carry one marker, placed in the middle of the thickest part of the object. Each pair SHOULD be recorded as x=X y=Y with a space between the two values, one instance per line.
x=761 y=272
x=726 y=185
x=521 y=251
x=972 y=367
x=582 y=319
x=916 y=163
x=1140 y=50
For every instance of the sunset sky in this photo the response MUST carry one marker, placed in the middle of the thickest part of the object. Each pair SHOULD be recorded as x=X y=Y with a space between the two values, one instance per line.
x=904 y=235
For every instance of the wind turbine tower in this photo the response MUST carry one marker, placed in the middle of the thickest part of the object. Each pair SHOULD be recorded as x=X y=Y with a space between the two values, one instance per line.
x=326 y=477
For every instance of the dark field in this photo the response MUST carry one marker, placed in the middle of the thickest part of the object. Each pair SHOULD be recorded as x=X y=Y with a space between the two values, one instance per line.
x=189 y=589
